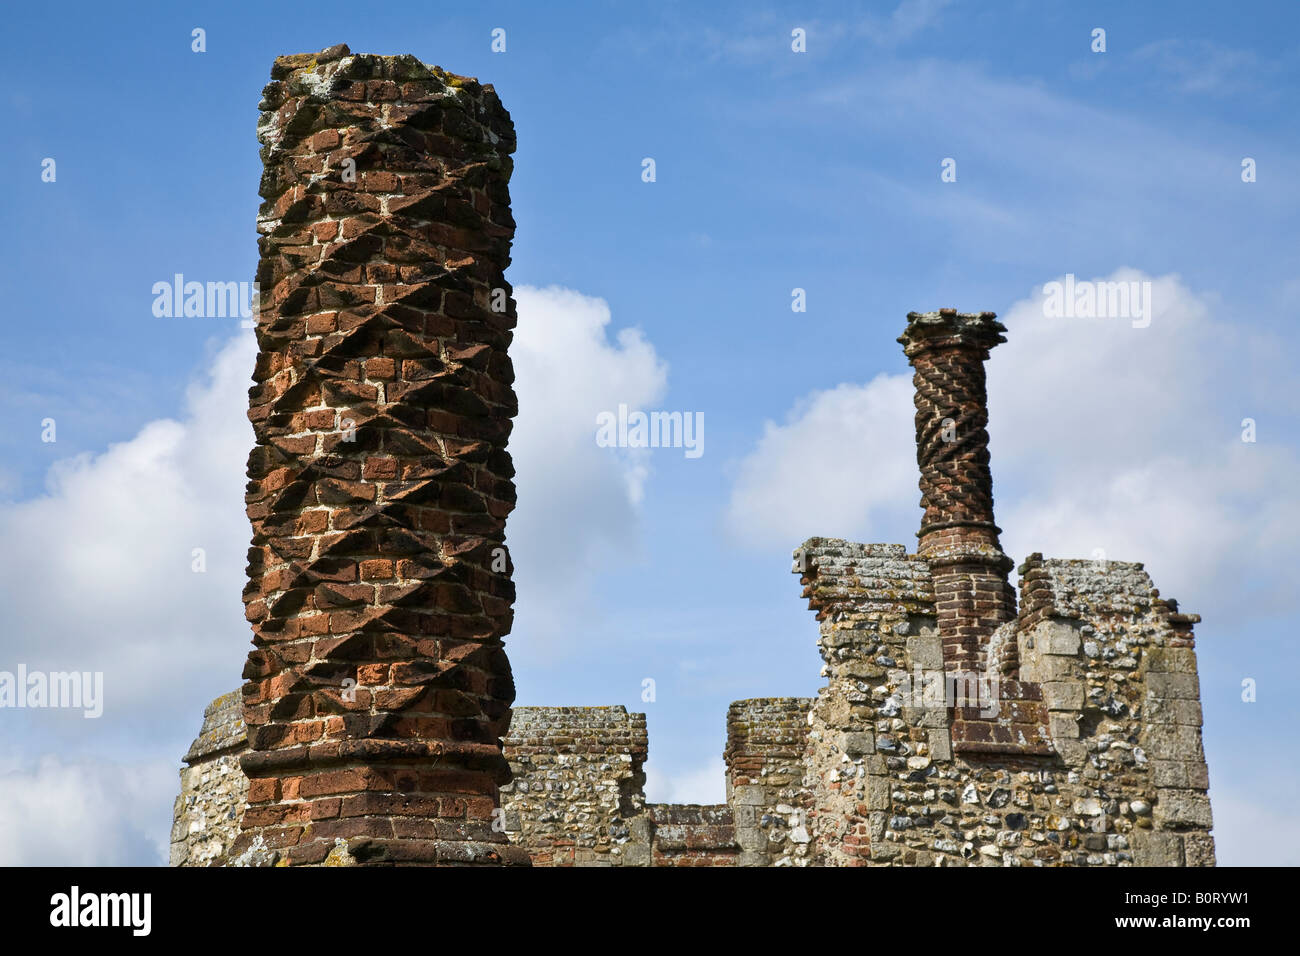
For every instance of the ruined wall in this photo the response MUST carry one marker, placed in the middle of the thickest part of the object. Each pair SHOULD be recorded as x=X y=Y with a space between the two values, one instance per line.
x=1118 y=670
x=693 y=834
x=955 y=729
x=577 y=797
x=766 y=739
x=875 y=604
x=1107 y=666
x=876 y=779
x=205 y=819
x=578 y=793
x=378 y=688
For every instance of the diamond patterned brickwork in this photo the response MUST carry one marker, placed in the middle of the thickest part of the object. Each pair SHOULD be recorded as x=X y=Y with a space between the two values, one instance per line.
x=379 y=589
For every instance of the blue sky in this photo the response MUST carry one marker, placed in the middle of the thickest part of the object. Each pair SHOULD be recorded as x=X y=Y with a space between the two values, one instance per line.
x=775 y=171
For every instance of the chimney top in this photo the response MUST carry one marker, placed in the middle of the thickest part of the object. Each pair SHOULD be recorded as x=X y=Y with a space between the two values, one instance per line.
x=948 y=327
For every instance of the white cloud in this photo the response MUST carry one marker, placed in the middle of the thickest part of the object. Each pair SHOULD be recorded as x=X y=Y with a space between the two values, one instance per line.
x=843 y=459
x=1129 y=440
x=908 y=19
x=1202 y=66
x=100 y=575
x=577 y=501
x=85 y=813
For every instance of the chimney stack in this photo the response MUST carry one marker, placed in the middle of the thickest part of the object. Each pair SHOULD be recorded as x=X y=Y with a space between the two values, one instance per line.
x=958 y=538
x=379 y=588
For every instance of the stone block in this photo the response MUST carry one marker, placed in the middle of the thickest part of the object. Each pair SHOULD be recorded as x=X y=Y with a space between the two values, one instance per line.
x=1174 y=742
x=857 y=744
x=1056 y=638
x=1174 y=710
x=1169 y=773
x=1063 y=695
x=1171 y=660
x=1073 y=752
x=940 y=744
x=1162 y=684
x=878 y=790
x=925 y=652
x=752 y=839
x=1183 y=808
x=1057 y=668
x=1064 y=725
x=1157 y=848
x=636 y=854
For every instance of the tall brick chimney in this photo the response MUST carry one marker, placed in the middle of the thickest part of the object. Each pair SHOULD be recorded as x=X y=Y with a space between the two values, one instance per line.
x=947 y=350
x=379 y=592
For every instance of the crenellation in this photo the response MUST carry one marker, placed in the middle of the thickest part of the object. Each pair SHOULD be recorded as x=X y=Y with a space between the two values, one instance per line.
x=577 y=794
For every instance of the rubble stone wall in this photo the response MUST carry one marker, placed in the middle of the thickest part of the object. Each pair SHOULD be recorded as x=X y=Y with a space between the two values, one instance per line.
x=578 y=793
x=766 y=740
x=1107 y=666
x=205 y=819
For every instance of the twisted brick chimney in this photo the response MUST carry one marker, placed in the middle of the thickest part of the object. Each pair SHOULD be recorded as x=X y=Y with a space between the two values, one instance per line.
x=379 y=593
x=947 y=350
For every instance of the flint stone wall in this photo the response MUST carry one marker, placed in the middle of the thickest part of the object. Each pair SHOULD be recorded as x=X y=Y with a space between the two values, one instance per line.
x=578 y=793
x=205 y=819
x=1107 y=668
x=766 y=743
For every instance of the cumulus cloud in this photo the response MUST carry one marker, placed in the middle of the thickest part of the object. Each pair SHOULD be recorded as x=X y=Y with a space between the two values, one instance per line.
x=85 y=813
x=1129 y=441
x=577 y=502
x=102 y=575
x=842 y=459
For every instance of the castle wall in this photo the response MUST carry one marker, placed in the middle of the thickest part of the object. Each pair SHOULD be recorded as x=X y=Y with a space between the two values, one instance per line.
x=1107 y=668
x=693 y=835
x=868 y=773
x=766 y=739
x=577 y=797
x=205 y=819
